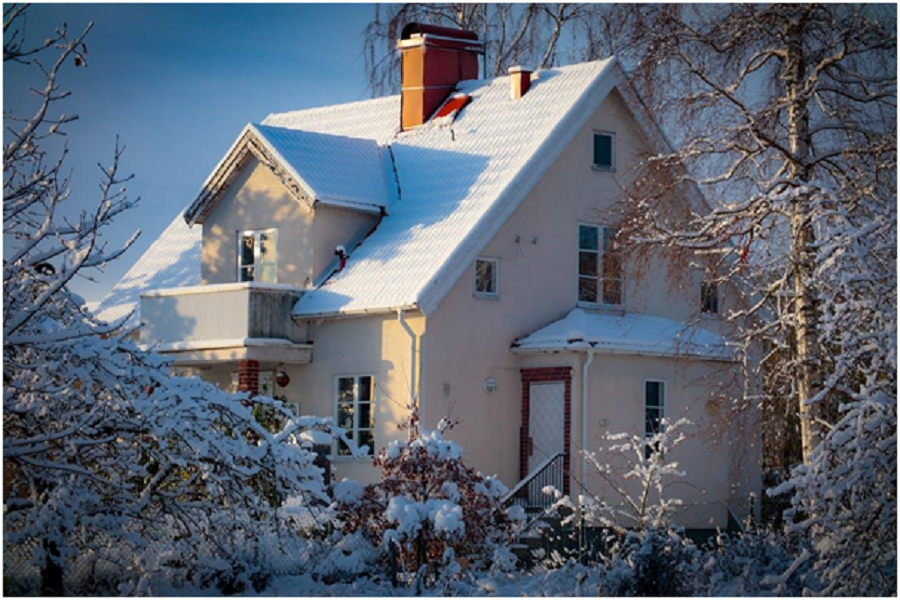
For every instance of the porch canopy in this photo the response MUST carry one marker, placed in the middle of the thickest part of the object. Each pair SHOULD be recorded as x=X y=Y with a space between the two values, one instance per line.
x=634 y=334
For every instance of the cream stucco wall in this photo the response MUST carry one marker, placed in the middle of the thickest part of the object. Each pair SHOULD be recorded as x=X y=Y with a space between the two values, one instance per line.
x=374 y=345
x=468 y=338
x=256 y=199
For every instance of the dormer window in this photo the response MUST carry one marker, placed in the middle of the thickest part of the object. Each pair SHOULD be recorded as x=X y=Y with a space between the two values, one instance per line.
x=604 y=150
x=257 y=256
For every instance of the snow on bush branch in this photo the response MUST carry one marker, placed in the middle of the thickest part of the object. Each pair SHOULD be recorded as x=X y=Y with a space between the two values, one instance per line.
x=105 y=454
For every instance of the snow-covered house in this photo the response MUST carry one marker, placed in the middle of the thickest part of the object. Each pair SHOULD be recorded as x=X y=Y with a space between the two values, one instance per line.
x=451 y=243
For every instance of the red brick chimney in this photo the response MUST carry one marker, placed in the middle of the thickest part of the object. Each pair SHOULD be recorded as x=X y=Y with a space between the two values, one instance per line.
x=520 y=78
x=433 y=60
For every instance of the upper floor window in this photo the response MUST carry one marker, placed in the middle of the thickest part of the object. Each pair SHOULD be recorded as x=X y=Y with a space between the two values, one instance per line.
x=257 y=256
x=487 y=272
x=599 y=266
x=709 y=298
x=355 y=414
x=604 y=150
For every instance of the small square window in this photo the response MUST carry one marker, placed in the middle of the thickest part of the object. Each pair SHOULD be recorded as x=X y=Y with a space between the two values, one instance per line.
x=709 y=298
x=604 y=151
x=486 y=277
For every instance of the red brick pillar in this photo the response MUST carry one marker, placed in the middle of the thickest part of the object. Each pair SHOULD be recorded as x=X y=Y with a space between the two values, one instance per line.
x=248 y=377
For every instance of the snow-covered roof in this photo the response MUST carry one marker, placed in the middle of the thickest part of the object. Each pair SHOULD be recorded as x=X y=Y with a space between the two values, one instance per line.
x=459 y=180
x=332 y=169
x=625 y=334
x=173 y=260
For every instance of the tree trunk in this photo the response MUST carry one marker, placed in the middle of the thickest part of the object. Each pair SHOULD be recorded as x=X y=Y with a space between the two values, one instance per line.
x=809 y=371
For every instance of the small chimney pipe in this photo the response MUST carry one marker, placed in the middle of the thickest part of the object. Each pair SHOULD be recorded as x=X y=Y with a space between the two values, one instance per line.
x=520 y=80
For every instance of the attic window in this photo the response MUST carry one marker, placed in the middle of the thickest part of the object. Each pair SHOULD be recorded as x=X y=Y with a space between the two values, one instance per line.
x=454 y=104
x=604 y=151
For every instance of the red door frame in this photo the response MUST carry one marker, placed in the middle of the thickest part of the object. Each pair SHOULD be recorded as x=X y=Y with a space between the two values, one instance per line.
x=546 y=375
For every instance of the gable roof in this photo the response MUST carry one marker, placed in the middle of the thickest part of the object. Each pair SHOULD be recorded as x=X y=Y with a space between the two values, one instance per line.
x=643 y=335
x=314 y=167
x=450 y=184
x=173 y=260
x=459 y=180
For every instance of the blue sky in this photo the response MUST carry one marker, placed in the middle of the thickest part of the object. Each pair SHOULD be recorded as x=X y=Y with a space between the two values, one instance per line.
x=177 y=83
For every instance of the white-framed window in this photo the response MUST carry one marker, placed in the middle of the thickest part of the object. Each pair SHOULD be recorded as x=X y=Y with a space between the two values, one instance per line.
x=599 y=267
x=355 y=411
x=487 y=277
x=257 y=256
x=709 y=298
x=604 y=150
x=654 y=410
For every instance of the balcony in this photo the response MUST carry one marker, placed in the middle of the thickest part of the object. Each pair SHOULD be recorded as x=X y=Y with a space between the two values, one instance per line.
x=225 y=323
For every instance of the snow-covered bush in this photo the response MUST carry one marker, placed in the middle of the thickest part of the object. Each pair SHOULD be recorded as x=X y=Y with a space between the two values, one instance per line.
x=739 y=564
x=114 y=470
x=845 y=501
x=636 y=469
x=428 y=504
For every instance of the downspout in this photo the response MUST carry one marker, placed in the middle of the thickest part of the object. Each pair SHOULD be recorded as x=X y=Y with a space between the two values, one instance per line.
x=413 y=340
x=585 y=369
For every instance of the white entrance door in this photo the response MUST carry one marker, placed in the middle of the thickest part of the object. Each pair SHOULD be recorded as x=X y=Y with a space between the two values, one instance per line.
x=546 y=428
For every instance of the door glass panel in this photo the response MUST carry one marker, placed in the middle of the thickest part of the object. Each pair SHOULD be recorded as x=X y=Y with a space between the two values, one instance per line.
x=365 y=414
x=365 y=389
x=345 y=417
x=367 y=439
x=345 y=389
x=247 y=273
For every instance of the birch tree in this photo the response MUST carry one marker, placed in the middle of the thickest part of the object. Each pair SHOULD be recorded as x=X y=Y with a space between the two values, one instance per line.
x=785 y=120
x=784 y=117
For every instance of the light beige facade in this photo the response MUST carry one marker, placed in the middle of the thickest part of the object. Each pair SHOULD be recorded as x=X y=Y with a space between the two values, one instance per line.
x=467 y=339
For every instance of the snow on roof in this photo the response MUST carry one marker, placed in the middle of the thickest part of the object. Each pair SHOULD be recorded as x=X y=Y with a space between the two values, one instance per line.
x=335 y=169
x=173 y=260
x=625 y=334
x=458 y=181
x=377 y=119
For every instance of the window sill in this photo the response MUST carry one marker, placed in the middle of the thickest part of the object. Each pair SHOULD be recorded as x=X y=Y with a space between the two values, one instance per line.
x=710 y=316
x=482 y=296
x=608 y=308
x=603 y=169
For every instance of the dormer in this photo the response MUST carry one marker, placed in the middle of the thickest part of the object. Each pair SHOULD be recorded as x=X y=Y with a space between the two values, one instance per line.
x=281 y=201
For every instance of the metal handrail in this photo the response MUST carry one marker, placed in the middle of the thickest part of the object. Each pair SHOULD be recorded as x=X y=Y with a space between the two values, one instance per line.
x=549 y=472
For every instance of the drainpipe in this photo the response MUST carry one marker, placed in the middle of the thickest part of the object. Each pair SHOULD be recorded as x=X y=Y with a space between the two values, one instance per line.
x=412 y=356
x=585 y=369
